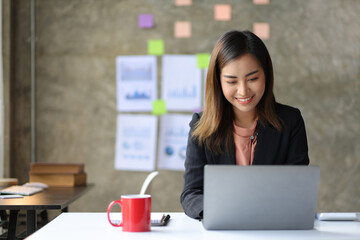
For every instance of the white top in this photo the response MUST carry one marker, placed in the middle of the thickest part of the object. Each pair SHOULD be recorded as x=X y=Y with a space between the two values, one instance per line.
x=96 y=226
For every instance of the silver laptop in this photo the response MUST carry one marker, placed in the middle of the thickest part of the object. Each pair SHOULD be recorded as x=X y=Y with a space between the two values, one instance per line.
x=260 y=197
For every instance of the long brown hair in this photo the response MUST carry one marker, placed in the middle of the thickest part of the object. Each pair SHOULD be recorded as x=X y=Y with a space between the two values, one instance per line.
x=215 y=127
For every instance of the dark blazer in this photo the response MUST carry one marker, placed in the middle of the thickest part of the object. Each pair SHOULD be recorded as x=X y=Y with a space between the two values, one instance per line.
x=288 y=147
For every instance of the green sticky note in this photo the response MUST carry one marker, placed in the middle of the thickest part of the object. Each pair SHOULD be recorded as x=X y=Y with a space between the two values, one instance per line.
x=159 y=107
x=203 y=60
x=156 y=47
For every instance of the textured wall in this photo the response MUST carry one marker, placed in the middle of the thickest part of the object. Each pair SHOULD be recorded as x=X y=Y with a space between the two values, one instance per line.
x=316 y=54
x=19 y=89
x=6 y=84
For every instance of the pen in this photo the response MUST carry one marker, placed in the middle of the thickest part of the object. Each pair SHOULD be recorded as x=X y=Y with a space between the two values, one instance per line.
x=165 y=220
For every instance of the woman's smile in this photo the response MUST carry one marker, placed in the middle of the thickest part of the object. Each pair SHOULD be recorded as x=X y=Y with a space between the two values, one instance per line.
x=245 y=100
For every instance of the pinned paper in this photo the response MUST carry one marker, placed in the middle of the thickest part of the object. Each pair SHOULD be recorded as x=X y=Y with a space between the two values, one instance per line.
x=183 y=2
x=181 y=82
x=156 y=47
x=182 y=29
x=159 y=107
x=222 y=12
x=202 y=60
x=136 y=81
x=262 y=30
x=135 y=142
x=173 y=137
x=146 y=21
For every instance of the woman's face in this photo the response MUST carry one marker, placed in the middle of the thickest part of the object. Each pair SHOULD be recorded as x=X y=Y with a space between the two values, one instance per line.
x=243 y=84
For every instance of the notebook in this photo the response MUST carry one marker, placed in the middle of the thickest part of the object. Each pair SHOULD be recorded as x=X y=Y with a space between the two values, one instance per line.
x=21 y=190
x=260 y=197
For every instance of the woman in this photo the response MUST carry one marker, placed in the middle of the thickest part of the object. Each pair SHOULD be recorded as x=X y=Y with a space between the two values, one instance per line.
x=241 y=123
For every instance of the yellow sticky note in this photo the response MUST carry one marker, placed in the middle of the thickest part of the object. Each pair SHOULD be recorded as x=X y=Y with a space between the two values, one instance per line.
x=182 y=29
x=183 y=2
x=156 y=47
x=222 y=12
x=262 y=30
x=159 y=107
x=202 y=60
x=261 y=2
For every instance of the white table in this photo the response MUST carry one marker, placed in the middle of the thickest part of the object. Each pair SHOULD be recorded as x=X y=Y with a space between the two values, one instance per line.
x=96 y=226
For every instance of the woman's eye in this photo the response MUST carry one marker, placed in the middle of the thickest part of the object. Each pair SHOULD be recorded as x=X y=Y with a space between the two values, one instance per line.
x=252 y=79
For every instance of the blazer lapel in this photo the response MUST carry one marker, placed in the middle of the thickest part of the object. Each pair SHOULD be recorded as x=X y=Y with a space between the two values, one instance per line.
x=265 y=153
x=223 y=158
x=228 y=159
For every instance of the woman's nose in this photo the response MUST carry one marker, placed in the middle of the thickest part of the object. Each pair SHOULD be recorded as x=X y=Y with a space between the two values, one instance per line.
x=242 y=89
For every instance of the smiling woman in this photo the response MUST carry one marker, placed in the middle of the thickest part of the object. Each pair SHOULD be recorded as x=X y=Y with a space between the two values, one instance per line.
x=243 y=85
x=214 y=129
x=241 y=123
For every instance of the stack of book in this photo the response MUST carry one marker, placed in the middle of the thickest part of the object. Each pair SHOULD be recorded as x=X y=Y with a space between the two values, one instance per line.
x=58 y=174
x=7 y=182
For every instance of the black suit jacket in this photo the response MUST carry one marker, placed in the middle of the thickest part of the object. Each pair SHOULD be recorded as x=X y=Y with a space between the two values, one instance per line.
x=287 y=147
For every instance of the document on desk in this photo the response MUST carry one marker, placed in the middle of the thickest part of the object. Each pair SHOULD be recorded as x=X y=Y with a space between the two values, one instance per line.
x=155 y=222
x=338 y=216
x=10 y=196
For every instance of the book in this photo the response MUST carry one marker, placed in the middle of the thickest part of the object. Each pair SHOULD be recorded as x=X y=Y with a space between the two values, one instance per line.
x=57 y=168
x=59 y=179
x=7 y=182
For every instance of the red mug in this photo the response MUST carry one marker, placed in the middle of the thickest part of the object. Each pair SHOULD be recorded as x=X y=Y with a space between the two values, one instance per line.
x=136 y=213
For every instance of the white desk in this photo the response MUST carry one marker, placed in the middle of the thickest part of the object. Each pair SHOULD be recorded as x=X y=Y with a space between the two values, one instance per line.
x=96 y=226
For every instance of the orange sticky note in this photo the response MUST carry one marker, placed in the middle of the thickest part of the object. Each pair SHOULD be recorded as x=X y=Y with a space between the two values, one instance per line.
x=183 y=2
x=261 y=2
x=262 y=30
x=222 y=12
x=182 y=29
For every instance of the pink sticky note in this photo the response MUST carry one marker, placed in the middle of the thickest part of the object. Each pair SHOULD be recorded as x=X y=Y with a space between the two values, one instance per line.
x=146 y=21
x=182 y=29
x=183 y=2
x=222 y=12
x=261 y=2
x=197 y=110
x=262 y=30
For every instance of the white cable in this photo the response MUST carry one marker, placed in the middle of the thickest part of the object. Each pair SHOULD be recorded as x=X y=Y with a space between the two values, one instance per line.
x=147 y=181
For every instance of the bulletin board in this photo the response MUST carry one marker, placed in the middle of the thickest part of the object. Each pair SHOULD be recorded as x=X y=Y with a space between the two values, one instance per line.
x=87 y=87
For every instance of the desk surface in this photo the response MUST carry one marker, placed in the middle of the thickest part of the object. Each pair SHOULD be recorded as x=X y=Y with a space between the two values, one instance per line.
x=96 y=226
x=50 y=198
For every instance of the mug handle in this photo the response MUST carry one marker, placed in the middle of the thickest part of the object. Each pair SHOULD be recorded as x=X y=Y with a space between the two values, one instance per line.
x=108 y=212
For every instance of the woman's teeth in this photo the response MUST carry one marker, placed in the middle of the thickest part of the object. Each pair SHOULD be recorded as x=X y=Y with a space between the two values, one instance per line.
x=244 y=99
